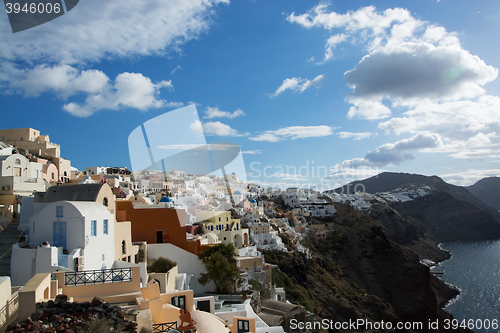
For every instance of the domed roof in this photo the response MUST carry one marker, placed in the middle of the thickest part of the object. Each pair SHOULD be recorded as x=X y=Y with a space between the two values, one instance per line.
x=252 y=200
x=165 y=199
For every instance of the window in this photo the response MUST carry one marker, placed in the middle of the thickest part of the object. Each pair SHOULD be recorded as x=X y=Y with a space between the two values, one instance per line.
x=227 y=219
x=219 y=218
x=22 y=138
x=18 y=161
x=59 y=211
x=105 y=227
x=52 y=175
x=123 y=247
x=105 y=201
x=93 y=228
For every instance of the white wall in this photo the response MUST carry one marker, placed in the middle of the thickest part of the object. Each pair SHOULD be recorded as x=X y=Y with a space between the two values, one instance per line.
x=78 y=217
x=142 y=266
x=22 y=265
x=186 y=262
x=27 y=211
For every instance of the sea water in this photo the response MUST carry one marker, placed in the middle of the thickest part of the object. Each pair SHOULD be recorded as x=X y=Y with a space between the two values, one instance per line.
x=474 y=268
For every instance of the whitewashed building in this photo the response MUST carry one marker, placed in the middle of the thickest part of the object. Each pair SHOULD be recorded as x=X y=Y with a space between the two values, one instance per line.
x=19 y=176
x=74 y=235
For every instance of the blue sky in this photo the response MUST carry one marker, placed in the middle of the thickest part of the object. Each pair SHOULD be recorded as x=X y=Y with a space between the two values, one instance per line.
x=346 y=88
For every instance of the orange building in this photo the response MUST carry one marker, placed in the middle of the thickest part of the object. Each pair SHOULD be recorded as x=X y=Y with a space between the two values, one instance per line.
x=157 y=225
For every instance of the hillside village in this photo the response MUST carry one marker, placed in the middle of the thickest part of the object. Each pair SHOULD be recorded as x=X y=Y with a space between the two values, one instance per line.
x=97 y=232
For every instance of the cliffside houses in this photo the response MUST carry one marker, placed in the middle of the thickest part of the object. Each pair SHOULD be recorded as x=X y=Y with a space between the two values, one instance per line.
x=93 y=244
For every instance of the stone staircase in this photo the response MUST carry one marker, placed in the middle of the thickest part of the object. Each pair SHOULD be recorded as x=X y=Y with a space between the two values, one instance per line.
x=8 y=237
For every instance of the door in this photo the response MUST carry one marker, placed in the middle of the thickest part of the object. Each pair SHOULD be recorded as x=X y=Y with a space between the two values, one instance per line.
x=179 y=301
x=159 y=236
x=243 y=326
x=59 y=234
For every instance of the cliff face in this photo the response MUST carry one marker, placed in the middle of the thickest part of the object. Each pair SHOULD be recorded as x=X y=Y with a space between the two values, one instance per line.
x=424 y=222
x=488 y=191
x=359 y=273
x=445 y=218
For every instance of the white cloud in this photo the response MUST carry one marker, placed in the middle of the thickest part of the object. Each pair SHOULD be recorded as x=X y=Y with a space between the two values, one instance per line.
x=176 y=69
x=130 y=90
x=216 y=113
x=101 y=29
x=219 y=129
x=252 y=152
x=298 y=84
x=56 y=56
x=332 y=43
x=417 y=72
x=62 y=80
x=409 y=61
x=469 y=177
x=468 y=128
x=393 y=153
x=355 y=136
x=340 y=176
x=419 y=67
x=293 y=133
x=368 y=110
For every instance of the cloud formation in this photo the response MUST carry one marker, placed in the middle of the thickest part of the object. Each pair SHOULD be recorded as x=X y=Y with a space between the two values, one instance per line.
x=59 y=62
x=216 y=113
x=293 y=133
x=298 y=85
x=409 y=61
x=130 y=90
x=422 y=69
x=219 y=129
x=252 y=152
x=355 y=136
x=393 y=154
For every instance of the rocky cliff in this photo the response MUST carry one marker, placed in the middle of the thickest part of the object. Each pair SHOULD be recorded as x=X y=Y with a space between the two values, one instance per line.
x=359 y=273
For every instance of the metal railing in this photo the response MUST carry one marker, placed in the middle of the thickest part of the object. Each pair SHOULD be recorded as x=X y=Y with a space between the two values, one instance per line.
x=165 y=327
x=98 y=276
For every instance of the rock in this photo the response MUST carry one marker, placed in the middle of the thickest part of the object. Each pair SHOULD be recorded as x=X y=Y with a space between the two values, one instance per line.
x=55 y=319
x=96 y=301
x=105 y=306
x=61 y=298
x=85 y=305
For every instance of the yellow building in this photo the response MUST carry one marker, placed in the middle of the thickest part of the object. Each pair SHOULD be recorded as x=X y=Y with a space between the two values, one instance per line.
x=31 y=140
x=227 y=229
x=217 y=221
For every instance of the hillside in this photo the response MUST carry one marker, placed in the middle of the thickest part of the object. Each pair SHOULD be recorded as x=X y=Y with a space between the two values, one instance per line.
x=445 y=213
x=389 y=181
x=359 y=273
x=488 y=191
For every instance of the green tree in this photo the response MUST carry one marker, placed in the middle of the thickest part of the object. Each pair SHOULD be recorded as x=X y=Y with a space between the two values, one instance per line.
x=162 y=265
x=221 y=267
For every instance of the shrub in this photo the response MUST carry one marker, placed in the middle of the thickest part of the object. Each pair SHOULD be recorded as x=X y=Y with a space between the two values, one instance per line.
x=162 y=265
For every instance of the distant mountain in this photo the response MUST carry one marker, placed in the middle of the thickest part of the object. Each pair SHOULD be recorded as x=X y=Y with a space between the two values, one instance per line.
x=389 y=181
x=488 y=191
